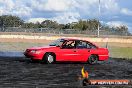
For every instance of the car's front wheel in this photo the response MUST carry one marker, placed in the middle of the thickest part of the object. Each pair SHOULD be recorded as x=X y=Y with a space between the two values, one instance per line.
x=49 y=58
x=93 y=59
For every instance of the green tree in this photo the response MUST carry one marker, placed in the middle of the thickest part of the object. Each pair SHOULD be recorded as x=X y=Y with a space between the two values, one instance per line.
x=10 y=21
x=50 y=24
x=122 y=29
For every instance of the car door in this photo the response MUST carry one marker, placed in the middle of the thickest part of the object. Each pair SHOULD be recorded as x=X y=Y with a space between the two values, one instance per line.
x=67 y=51
x=83 y=49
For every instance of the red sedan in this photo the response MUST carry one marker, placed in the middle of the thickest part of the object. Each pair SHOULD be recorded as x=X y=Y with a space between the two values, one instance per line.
x=68 y=50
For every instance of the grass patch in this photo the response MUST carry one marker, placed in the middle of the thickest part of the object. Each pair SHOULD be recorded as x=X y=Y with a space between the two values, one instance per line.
x=121 y=52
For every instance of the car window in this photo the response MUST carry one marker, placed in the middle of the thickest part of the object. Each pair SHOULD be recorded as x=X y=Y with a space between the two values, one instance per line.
x=70 y=44
x=81 y=44
x=91 y=46
x=84 y=45
x=57 y=42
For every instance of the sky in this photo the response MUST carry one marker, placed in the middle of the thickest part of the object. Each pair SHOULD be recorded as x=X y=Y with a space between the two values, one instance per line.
x=112 y=12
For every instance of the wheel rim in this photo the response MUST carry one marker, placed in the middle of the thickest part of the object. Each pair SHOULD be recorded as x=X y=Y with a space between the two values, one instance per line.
x=93 y=59
x=50 y=58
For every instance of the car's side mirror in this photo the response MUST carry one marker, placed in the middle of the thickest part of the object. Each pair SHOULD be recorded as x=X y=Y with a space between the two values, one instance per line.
x=62 y=47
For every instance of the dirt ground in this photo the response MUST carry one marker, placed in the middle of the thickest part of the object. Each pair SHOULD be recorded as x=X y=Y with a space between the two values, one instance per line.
x=24 y=40
x=17 y=72
x=48 y=41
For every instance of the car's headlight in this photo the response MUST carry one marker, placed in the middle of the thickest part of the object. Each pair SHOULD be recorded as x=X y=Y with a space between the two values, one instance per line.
x=35 y=51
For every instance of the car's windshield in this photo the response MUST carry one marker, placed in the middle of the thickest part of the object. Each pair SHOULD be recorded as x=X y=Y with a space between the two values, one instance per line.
x=58 y=42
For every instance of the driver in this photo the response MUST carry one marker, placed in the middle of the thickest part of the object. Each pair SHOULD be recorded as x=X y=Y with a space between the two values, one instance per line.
x=70 y=44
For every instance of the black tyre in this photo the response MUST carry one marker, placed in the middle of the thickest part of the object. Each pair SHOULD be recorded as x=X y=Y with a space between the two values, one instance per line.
x=93 y=59
x=49 y=58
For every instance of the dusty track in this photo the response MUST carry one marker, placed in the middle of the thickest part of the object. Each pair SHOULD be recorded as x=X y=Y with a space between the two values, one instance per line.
x=21 y=72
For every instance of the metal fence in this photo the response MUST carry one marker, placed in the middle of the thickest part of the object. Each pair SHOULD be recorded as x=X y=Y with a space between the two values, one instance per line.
x=64 y=31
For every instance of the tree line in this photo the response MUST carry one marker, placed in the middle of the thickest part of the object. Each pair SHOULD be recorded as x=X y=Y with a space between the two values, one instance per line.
x=82 y=25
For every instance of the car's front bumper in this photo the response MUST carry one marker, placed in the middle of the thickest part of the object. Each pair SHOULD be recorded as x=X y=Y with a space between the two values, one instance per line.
x=33 y=56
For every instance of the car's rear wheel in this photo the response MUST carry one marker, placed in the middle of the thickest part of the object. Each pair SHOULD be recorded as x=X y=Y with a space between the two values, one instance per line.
x=93 y=59
x=49 y=58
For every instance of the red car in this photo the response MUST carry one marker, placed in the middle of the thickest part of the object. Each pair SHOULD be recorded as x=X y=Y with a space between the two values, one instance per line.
x=68 y=50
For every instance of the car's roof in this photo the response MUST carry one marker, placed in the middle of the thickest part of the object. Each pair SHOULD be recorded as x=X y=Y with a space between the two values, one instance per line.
x=72 y=39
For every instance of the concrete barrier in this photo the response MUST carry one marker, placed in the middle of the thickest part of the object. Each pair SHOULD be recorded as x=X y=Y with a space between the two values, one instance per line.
x=116 y=40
